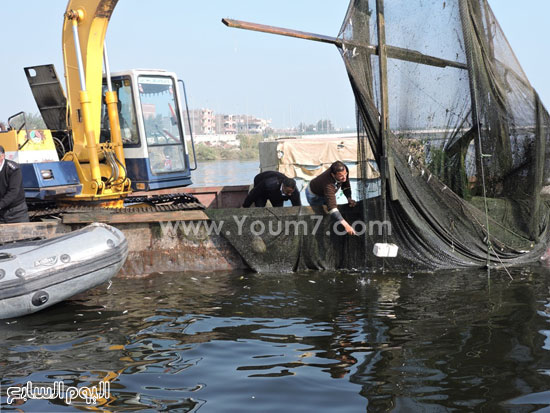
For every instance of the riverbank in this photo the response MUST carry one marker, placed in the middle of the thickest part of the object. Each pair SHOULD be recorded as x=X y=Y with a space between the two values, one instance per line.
x=246 y=150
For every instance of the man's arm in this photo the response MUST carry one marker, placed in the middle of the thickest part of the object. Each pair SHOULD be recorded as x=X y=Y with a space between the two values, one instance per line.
x=347 y=193
x=330 y=196
x=15 y=180
x=295 y=198
x=329 y=193
x=346 y=188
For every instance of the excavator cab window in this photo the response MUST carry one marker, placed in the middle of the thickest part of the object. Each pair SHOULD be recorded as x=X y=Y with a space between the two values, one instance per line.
x=162 y=123
x=126 y=113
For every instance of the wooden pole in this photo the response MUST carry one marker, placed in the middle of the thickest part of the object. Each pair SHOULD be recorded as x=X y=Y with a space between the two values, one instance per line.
x=239 y=24
x=392 y=51
x=383 y=74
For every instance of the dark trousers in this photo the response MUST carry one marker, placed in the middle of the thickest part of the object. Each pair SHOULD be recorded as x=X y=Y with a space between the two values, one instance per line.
x=261 y=202
x=18 y=213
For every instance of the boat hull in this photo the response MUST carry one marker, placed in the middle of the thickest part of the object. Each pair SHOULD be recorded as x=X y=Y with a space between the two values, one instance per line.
x=38 y=274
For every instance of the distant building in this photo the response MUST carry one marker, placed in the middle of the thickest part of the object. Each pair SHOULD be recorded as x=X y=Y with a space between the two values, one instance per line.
x=206 y=122
x=252 y=125
x=203 y=122
x=225 y=125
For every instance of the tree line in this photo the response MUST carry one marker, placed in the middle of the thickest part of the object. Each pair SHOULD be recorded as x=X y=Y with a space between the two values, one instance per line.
x=322 y=125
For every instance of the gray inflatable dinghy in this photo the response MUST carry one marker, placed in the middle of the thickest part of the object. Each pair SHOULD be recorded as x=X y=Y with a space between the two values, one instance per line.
x=37 y=274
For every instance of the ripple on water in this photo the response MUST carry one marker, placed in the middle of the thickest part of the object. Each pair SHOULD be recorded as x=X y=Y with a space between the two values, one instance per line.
x=295 y=342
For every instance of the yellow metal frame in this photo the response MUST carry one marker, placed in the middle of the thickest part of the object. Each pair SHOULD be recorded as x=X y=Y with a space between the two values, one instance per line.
x=13 y=141
x=90 y=19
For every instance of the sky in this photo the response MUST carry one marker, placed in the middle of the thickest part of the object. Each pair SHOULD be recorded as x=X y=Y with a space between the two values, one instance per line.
x=231 y=70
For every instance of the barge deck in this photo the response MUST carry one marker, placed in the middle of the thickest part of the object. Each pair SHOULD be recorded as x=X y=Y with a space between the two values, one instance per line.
x=152 y=249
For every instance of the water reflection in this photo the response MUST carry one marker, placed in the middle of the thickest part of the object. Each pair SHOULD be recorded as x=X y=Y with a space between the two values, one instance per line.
x=303 y=342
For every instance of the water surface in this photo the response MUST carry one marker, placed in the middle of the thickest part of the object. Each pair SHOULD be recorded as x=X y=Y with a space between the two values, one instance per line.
x=309 y=342
x=228 y=172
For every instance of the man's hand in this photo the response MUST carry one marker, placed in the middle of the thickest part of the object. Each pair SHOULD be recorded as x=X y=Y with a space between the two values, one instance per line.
x=351 y=202
x=348 y=228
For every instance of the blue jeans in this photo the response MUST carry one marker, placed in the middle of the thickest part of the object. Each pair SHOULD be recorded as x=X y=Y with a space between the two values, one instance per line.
x=314 y=199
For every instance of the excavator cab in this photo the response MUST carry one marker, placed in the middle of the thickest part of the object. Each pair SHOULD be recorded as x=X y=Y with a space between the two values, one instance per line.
x=151 y=125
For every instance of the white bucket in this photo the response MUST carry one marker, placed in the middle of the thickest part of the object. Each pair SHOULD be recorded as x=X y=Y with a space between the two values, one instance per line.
x=385 y=250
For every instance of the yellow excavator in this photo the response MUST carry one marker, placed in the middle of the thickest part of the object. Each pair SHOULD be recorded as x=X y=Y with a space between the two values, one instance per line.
x=114 y=133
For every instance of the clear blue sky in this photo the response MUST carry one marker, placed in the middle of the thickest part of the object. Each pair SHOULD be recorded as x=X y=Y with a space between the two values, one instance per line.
x=236 y=71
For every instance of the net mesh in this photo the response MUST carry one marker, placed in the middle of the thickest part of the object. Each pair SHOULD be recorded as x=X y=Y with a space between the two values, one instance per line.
x=468 y=134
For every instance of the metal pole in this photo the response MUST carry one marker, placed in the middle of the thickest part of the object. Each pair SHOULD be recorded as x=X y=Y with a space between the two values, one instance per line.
x=97 y=185
x=383 y=71
x=111 y=100
x=79 y=55
x=107 y=68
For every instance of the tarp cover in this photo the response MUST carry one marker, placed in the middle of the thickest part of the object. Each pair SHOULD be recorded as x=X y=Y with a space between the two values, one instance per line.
x=307 y=158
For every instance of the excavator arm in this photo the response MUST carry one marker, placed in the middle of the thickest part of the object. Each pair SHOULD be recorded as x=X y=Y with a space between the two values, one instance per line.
x=100 y=166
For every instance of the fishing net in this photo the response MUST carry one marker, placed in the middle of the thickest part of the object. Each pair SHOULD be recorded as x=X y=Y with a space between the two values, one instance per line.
x=291 y=238
x=464 y=153
x=467 y=138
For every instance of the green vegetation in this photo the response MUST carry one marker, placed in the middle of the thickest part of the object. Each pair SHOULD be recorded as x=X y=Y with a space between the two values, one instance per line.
x=322 y=125
x=247 y=150
x=249 y=146
x=451 y=169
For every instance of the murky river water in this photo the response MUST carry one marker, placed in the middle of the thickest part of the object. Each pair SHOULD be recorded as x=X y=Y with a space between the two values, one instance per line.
x=310 y=342
x=229 y=172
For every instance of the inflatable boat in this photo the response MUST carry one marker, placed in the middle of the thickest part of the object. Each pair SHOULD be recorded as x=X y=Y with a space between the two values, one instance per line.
x=37 y=274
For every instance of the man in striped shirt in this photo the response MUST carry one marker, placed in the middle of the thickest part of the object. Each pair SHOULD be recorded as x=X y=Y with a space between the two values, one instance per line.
x=322 y=191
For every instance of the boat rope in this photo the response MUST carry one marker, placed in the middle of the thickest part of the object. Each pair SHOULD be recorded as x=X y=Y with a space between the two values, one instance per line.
x=503 y=266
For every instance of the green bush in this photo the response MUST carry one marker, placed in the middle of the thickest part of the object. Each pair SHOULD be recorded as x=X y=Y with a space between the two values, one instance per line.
x=248 y=150
x=206 y=153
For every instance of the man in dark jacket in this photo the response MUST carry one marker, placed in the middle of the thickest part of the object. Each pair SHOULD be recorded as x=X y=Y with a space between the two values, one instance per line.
x=13 y=207
x=323 y=188
x=275 y=187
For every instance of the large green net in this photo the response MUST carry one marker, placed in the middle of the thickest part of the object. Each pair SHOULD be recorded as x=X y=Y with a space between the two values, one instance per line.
x=464 y=154
x=467 y=133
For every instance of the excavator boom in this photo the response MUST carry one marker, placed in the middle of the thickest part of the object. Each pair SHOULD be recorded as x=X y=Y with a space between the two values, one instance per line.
x=92 y=18
x=84 y=28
